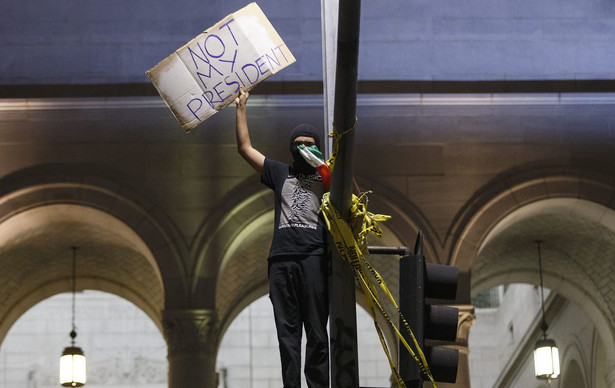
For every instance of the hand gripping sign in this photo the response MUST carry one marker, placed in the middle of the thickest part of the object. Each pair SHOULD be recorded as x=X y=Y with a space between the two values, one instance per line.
x=205 y=75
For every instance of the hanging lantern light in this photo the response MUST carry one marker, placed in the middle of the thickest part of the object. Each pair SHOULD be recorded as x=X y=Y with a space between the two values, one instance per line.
x=546 y=359
x=72 y=361
x=546 y=354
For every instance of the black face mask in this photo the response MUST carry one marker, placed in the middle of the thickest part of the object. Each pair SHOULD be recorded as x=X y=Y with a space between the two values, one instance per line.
x=299 y=163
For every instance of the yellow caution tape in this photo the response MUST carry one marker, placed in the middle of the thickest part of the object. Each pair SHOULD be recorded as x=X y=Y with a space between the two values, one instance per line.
x=351 y=245
x=336 y=141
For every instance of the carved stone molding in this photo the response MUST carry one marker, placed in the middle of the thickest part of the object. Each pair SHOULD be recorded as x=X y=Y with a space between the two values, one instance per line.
x=190 y=331
x=467 y=316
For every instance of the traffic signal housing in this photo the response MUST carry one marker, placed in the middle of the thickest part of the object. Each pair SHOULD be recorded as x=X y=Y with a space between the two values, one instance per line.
x=432 y=325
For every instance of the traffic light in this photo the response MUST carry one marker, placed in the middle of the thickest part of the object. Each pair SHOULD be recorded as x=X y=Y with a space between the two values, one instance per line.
x=431 y=324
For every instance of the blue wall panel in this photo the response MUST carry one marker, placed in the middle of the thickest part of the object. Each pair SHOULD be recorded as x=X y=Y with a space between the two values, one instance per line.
x=115 y=41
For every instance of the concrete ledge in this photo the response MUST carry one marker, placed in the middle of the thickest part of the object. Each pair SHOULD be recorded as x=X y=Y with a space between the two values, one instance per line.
x=315 y=87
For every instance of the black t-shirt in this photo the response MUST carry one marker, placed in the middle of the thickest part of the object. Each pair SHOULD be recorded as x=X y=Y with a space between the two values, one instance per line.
x=298 y=228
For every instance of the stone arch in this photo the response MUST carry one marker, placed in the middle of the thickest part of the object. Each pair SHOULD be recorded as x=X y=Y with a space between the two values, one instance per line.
x=599 y=369
x=573 y=376
x=231 y=250
x=511 y=191
x=46 y=209
x=36 y=259
x=577 y=250
x=571 y=210
x=243 y=275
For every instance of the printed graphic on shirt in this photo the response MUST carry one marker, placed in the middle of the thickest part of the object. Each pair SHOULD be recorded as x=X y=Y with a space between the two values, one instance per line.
x=300 y=201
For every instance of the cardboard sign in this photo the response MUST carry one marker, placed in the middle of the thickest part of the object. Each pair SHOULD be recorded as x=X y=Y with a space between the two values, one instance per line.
x=204 y=75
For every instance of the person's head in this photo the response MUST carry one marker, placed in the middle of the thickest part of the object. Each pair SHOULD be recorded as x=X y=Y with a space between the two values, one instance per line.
x=307 y=135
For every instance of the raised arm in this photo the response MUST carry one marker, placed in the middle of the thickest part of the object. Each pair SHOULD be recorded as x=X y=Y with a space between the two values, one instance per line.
x=244 y=146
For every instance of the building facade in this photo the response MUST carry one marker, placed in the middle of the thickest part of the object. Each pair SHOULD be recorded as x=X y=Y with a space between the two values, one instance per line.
x=485 y=124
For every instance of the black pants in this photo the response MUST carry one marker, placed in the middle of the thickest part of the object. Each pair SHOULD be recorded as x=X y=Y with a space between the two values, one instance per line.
x=298 y=289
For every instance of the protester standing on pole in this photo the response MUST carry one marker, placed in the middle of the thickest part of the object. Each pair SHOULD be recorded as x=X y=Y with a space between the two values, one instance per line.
x=298 y=260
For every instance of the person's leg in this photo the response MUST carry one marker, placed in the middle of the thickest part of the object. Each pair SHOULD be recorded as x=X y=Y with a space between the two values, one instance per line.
x=284 y=298
x=315 y=312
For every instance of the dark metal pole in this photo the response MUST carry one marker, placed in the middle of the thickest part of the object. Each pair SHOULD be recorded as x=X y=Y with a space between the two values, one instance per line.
x=344 y=113
x=377 y=250
x=343 y=325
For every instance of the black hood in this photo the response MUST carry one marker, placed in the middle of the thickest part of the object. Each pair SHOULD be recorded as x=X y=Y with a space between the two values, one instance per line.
x=299 y=163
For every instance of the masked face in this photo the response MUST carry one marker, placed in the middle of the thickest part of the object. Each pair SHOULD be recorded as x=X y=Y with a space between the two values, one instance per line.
x=299 y=162
x=303 y=134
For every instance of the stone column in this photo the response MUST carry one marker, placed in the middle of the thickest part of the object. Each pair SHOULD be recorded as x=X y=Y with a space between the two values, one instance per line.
x=467 y=316
x=191 y=338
